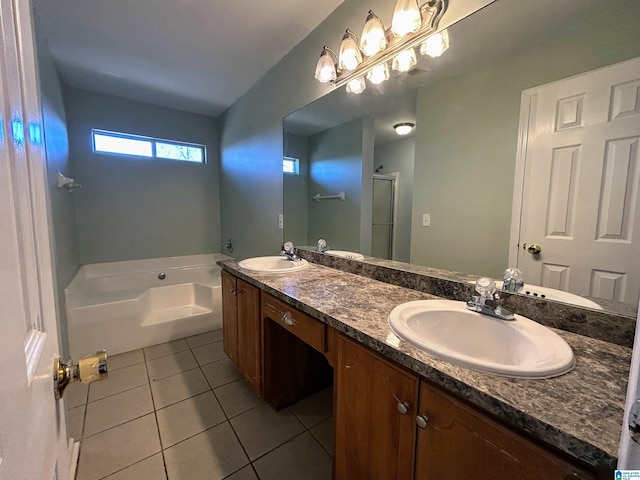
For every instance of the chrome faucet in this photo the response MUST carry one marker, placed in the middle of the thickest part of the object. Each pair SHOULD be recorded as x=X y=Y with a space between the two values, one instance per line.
x=322 y=246
x=485 y=303
x=289 y=252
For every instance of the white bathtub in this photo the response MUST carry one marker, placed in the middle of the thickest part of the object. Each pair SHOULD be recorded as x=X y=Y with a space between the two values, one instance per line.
x=122 y=306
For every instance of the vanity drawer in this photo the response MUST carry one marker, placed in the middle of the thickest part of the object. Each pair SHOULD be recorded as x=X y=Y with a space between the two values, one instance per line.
x=306 y=328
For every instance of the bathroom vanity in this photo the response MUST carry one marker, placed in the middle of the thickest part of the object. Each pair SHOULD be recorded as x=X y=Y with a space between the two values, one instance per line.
x=401 y=413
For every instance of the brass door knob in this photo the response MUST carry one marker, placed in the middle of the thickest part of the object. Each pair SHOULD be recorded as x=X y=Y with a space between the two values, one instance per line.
x=534 y=249
x=90 y=368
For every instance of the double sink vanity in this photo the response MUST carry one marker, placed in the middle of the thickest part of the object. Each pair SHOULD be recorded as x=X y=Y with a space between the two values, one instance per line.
x=405 y=409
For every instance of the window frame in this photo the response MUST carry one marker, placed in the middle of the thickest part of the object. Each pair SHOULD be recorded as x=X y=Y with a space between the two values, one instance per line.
x=296 y=165
x=152 y=141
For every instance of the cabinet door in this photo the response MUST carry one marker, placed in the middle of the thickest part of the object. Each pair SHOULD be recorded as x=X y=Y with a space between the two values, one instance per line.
x=461 y=442
x=249 y=334
x=373 y=439
x=229 y=317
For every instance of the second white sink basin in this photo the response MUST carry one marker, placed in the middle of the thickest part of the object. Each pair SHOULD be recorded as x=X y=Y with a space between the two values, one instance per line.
x=519 y=348
x=273 y=264
x=346 y=254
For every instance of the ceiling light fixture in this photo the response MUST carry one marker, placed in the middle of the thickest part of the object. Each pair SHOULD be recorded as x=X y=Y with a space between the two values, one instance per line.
x=404 y=128
x=411 y=26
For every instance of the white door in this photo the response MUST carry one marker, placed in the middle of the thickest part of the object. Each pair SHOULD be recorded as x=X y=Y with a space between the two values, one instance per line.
x=33 y=443
x=580 y=198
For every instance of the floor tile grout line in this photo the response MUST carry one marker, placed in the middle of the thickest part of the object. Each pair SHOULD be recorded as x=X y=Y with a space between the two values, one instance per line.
x=155 y=416
x=137 y=462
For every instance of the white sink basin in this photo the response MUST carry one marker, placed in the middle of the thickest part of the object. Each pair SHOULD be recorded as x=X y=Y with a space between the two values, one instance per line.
x=274 y=264
x=519 y=348
x=346 y=254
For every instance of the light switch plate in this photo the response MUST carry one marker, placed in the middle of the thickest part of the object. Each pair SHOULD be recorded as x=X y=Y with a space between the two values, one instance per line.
x=281 y=221
x=426 y=219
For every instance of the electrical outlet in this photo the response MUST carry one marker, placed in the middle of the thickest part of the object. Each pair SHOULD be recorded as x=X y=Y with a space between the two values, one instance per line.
x=281 y=221
x=426 y=219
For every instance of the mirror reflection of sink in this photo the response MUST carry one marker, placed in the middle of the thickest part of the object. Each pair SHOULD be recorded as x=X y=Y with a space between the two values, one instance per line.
x=556 y=295
x=273 y=264
x=519 y=348
x=346 y=254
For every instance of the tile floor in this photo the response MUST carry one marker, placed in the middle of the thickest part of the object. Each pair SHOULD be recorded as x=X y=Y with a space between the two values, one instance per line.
x=180 y=411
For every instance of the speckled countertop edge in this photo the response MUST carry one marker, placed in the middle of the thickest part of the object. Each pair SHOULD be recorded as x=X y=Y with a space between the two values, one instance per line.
x=579 y=413
x=615 y=326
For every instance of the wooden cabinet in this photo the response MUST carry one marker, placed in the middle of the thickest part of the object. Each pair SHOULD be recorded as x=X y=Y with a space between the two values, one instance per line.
x=461 y=442
x=375 y=407
x=294 y=346
x=241 y=326
x=286 y=355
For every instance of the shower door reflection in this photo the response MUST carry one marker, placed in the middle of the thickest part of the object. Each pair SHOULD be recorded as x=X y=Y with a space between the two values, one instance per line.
x=383 y=216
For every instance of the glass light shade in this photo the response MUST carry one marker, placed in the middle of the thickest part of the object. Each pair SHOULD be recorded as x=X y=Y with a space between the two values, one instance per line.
x=356 y=86
x=326 y=68
x=404 y=61
x=404 y=128
x=378 y=74
x=436 y=44
x=373 y=39
x=349 y=56
x=406 y=18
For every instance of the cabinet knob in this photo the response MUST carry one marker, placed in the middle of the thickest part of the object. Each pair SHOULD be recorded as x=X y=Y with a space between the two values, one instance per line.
x=234 y=291
x=422 y=420
x=287 y=319
x=403 y=408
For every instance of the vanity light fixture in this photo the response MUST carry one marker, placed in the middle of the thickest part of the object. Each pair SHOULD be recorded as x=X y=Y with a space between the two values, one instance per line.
x=404 y=128
x=378 y=46
x=326 y=66
x=378 y=74
x=349 y=56
x=404 y=61
x=435 y=45
x=374 y=37
x=406 y=18
x=356 y=86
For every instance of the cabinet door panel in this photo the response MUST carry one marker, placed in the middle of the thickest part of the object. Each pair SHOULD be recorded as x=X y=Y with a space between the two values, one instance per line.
x=249 y=334
x=461 y=442
x=229 y=317
x=373 y=440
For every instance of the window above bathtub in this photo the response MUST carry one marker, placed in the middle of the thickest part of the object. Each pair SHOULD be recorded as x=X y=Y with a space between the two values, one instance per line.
x=135 y=145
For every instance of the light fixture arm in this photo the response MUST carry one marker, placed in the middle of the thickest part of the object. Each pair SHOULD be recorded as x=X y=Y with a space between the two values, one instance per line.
x=431 y=12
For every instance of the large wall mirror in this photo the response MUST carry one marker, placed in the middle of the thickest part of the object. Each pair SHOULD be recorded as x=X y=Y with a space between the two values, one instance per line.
x=444 y=196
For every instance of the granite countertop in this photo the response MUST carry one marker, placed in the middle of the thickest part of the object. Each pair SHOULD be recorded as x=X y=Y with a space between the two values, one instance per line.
x=579 y=413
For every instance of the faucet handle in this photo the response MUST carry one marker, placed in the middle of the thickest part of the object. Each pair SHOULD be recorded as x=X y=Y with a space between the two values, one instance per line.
x=287 y=247
x=322 y=245
x=485 y=287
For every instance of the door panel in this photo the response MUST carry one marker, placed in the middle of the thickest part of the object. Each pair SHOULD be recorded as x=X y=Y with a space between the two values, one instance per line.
x=33 y=440
x=580 y=197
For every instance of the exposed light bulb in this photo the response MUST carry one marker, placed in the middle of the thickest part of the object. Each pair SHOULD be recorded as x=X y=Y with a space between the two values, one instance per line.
x=373 y=39
x=349 y=55
x=404 y=61
x=404 y=128
x=356 y=86
x=406 y=18
x=326 y=68
x=436 y=44
x=378 y=74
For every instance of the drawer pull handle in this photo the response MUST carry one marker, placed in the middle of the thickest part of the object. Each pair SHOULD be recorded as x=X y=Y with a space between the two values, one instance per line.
x=287 y=319
x=403 y=408
x=422 y=421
